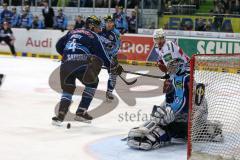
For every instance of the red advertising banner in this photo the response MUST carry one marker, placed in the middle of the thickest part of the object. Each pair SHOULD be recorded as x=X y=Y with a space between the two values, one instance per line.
x=137 y=48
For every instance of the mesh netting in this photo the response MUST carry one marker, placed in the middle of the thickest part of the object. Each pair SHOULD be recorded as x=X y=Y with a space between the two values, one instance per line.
x=215 y=118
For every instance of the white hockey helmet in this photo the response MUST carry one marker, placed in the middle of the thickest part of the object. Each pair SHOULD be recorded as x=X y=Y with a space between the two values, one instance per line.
x=158 y=33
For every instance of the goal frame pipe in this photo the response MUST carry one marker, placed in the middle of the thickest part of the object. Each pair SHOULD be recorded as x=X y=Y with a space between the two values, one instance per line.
x=189 y=144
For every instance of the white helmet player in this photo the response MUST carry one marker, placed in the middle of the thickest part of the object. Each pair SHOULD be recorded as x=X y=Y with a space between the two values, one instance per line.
x=159 y=37
x=159 y=33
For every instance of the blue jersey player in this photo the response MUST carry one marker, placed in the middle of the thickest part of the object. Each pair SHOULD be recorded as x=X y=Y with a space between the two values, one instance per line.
x=113 y=35
x=169 y=120
x=83 y=56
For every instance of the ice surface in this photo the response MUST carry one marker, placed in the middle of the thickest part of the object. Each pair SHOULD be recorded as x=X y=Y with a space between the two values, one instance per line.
x=27 y=104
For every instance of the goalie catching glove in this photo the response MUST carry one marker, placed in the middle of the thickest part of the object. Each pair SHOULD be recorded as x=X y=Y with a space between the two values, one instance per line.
x=163 y=115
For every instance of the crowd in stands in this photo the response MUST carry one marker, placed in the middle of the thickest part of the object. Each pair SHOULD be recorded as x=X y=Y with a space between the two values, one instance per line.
x=168 y=4
x=25 y=19
x=219 y=6
x=51 y=20
x=125 y=24
x=214 y=24
x=226 y=7
x=83 y=3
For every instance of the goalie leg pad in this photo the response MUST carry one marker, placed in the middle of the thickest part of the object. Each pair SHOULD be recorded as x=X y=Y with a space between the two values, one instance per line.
x=147 y=137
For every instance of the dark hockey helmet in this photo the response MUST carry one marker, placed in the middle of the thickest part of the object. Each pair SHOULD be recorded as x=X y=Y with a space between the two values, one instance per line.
x=93 y=21
x=108 y=18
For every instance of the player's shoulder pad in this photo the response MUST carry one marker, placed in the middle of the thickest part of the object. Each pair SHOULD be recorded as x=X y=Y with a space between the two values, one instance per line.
x=170 y=42
x=116 y=32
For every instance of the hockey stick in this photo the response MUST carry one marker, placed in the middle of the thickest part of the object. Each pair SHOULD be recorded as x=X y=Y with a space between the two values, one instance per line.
x=124 y=80
x=166 y=76
x=128 y=82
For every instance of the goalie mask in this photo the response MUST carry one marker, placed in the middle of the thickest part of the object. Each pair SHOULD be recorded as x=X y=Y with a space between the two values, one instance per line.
x=176 y=66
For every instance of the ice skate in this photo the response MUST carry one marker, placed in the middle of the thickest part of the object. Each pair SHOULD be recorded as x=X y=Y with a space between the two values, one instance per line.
x=83 y=117
x=109 y=96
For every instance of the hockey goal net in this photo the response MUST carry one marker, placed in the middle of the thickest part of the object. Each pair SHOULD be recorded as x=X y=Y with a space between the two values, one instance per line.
x=214 y=111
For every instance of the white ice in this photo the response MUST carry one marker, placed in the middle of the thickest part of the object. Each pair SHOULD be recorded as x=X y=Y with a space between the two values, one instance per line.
x=27 y=105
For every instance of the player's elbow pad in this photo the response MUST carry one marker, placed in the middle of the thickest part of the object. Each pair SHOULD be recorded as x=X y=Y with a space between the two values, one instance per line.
x=59 y=48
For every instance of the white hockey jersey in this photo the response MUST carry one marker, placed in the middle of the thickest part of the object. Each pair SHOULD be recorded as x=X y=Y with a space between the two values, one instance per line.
x=170 y=51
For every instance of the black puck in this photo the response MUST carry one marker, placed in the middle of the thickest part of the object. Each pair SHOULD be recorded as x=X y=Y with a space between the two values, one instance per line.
x=68 y=125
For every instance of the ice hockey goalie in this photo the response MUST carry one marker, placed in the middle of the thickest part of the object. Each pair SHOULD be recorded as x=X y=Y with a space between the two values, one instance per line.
x=169 y=121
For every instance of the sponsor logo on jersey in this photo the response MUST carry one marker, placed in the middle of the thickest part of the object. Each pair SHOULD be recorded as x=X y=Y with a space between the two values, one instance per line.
x=167 y=57
x=179 y=84
x=111 y=37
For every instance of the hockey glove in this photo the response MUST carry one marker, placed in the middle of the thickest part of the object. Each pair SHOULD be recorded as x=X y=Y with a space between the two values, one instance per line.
x=167 y=86
x=162 y=66
x=163 y=115
x=28 y=28
x=116 y=70
x=62 y=29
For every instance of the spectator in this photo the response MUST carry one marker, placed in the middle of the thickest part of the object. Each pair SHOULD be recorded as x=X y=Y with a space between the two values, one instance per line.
x=15 y=18
x=48 y=14
x=26 y=3
x=217 y=23
x=32 y=2
x=132 y=23
x=186 y=25
x=27 y=8
x=54 y=2
x=200 y=25
x=16 y=3
x=37 y=23
x=235 y=7
x=60 y=21
x=208 y=26
x=152 y=26
x=120 y=20
x=165 y=26
x=26 y=19
x=133 y=3
x=100 y=3
x=79 y=23
x=6 y=15
x=6 y=35
x=227 y=27
x=83 y=3
x=70 y=27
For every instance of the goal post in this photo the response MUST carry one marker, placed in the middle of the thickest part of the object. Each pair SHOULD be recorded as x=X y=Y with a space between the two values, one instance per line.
x=214 y=107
